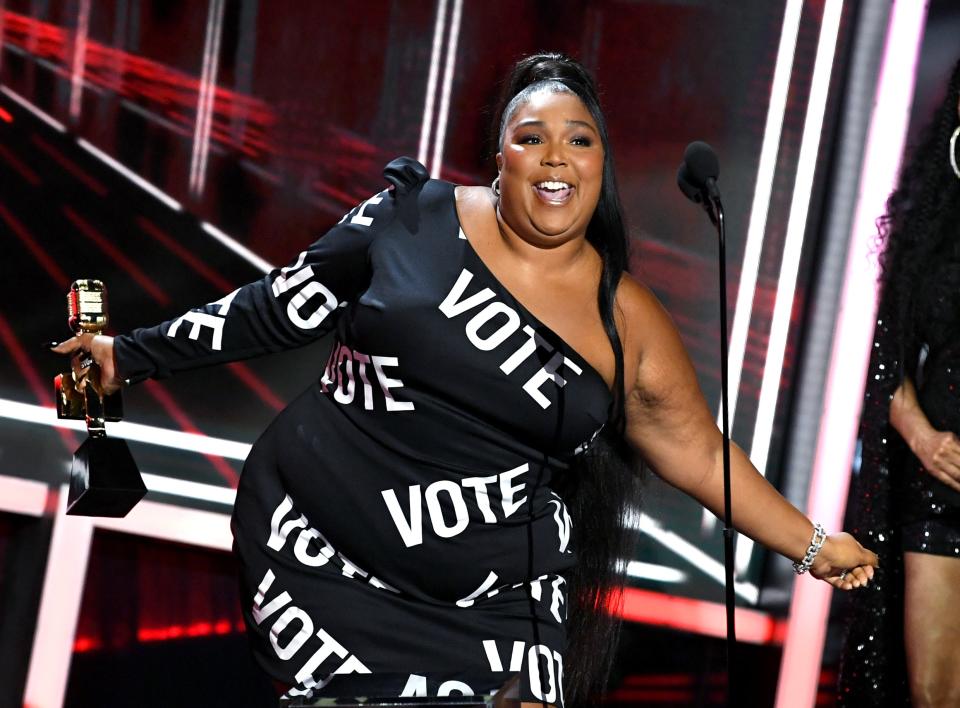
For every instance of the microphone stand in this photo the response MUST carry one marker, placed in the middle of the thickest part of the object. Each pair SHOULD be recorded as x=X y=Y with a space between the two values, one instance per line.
x=714 y=208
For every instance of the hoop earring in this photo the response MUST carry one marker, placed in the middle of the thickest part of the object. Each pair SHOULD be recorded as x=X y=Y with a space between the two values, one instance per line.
x=953 y=152
x=495 y=185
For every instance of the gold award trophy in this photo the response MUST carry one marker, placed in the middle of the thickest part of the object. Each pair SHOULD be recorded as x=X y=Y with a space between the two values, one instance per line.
x=104 y=479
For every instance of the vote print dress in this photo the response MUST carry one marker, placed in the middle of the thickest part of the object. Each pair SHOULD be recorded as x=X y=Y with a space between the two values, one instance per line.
x=396 y=525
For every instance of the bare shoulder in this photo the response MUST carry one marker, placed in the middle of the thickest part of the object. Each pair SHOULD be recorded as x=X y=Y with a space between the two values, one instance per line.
x=652 y=347
x=473 y=199
x=641 y=311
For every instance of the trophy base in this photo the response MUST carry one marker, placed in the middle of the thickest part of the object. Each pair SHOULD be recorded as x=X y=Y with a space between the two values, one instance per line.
x=104 y=479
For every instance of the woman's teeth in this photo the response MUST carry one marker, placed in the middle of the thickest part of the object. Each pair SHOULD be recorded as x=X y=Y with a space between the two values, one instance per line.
x=554 y=192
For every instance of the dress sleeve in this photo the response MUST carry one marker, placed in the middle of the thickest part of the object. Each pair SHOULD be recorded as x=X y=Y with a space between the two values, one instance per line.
x=289 y=307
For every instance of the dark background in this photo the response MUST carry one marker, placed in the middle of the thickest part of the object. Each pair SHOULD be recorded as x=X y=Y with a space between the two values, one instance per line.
x=312 y=98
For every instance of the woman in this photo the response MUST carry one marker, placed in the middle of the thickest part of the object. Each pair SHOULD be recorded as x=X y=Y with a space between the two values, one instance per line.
x=909 y=488
x=485 y=337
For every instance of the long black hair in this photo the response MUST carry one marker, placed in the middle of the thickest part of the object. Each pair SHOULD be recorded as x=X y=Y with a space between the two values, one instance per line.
x=601 y=489
x=921 y=224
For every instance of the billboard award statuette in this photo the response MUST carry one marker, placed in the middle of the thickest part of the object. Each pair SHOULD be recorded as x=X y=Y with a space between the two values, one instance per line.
x=104 y=479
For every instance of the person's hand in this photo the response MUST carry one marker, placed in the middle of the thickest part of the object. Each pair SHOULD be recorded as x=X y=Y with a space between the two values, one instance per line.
x=844 y=563
x=939 y=453
x=103 y=377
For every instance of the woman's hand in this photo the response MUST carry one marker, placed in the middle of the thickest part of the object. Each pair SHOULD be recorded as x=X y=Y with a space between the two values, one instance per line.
x=100 y=349
x=844 y=563
x=939 y=453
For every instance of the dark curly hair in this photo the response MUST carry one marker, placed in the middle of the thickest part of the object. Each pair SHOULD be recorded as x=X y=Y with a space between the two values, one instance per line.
x=921 y=222
x=602 y=487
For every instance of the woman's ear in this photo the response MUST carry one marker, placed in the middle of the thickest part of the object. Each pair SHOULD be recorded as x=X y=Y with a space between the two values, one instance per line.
x=499 y=161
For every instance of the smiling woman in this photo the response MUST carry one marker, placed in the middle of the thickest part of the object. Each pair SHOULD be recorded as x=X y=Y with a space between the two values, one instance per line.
x=551 y=166
x=441 y=512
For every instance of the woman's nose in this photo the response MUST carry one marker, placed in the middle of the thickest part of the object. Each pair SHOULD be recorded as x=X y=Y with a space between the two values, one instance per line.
x=555 y=155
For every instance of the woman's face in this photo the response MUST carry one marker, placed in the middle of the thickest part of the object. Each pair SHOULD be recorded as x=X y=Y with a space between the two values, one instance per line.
x=551 y=168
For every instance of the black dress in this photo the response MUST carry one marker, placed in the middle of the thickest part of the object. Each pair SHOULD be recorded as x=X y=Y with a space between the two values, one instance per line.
x=897 y=506
x=930 y=510
x=396 y=525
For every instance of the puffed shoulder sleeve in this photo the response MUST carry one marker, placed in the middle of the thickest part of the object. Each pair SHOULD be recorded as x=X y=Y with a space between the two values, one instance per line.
x=289 y=307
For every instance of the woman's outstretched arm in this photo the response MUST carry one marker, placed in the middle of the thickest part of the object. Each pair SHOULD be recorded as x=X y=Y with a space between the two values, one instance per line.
x=670 y=425
x=287 y=308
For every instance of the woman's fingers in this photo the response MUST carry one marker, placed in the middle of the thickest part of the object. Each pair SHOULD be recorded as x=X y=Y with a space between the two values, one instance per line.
x=852 y=579
x=949 y=454
x=950 y=467
x=858 y=576
x=939 y=452
x=81 y=341
x=100 y=349
x=951 y=447
x=844 y=563
x=947 y=473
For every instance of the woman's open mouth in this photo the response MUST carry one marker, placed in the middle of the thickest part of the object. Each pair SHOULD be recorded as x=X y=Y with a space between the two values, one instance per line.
x=553 y=192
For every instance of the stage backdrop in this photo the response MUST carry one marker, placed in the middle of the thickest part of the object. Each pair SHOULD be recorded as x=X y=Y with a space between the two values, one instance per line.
x=177 y=149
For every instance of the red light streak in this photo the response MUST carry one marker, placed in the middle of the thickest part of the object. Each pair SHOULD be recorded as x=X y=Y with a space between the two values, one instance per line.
x=46 y=262
x=240 y=124
x=127 y=265
x=661 y=680
x=163 y=397
x=170 y=93
x=202 y=269
x=16 y=164
x=642 y=697
x=82 y=644
x=41 y=390
x=5 y=116
x=689 y=615
x=69 y=166
x=251 y=381
x=166 y=633
x=196 y=629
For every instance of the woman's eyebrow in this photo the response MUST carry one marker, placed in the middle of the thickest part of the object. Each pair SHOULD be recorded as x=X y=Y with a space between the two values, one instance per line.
x=583 y=124
x=539 y=124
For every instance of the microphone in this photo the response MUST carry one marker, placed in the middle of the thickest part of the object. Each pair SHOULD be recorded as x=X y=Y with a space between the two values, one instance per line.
x=699 y=172
x=87 y=306
x=697 y=179
x=685 y=182
x=86 y=313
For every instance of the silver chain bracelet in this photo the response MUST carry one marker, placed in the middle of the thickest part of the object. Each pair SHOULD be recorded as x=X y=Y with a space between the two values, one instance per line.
x=816 y=543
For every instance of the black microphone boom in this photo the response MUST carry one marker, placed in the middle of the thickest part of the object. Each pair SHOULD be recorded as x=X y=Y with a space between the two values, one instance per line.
x=697 y=179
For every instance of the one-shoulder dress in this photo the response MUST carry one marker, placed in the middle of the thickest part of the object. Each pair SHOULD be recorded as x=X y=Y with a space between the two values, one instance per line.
x=396 y=526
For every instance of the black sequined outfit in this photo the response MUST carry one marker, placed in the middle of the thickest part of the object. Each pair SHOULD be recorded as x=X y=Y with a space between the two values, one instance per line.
x=930 y=510
x=896 y=505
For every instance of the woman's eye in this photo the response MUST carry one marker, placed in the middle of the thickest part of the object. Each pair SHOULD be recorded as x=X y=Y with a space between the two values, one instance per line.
x=529 y=140
x=582 y=140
